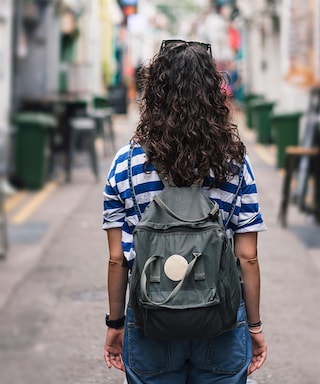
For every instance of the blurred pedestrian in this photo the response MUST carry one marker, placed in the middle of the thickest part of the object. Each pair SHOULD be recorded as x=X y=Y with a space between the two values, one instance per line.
x=186 y=128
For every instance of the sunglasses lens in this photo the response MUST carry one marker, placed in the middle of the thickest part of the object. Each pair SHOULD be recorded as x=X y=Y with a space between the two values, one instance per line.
x=168 y=43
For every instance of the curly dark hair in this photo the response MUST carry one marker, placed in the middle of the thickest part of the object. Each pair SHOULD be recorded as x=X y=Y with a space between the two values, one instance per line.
x=185 y=122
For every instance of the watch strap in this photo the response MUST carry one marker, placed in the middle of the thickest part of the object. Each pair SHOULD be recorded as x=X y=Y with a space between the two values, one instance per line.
x=116 y=324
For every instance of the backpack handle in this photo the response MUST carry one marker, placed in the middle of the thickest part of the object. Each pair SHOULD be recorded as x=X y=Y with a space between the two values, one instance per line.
x=177 y=288
x=164 y=206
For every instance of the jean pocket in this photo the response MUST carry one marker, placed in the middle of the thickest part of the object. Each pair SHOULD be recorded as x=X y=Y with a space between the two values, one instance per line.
x=228 y=352
x=147 y=357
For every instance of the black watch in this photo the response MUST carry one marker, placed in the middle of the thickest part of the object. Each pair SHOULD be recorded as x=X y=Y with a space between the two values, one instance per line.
x=116 y=324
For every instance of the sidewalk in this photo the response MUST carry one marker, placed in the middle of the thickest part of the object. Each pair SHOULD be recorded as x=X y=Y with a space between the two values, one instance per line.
x=52 y=284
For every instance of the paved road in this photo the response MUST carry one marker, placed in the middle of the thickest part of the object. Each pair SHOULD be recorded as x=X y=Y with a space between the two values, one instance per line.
x=52 y=284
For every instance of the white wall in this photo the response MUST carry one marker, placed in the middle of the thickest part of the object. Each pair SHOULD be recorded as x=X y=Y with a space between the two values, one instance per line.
x=86 y=73
x=255 y=54
x=293 y=98
x=5 y=62
x=53 y=50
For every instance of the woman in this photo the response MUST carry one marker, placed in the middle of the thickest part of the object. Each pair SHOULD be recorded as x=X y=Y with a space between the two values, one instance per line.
x=186 y=129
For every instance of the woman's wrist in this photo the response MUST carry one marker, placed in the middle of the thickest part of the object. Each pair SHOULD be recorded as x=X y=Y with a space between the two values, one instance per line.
x=255 y=328
x=254 y=324
x=116 y=324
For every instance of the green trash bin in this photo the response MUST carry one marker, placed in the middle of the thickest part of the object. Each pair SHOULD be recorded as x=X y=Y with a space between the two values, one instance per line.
x=32 y=148
x=247 y=107
x=261 y=119
x=285 y=128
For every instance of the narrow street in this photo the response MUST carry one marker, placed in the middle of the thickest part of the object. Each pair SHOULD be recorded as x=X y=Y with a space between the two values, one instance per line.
x=52 y=283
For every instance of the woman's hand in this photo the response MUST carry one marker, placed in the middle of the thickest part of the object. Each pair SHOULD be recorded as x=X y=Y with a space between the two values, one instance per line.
x=113 y=348
x=259 y=352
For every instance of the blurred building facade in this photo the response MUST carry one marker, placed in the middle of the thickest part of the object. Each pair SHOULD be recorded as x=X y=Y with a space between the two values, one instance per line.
x=50 y=48
x=272 y=47
x=83 y=46
x=62 y=46
x=281 y=49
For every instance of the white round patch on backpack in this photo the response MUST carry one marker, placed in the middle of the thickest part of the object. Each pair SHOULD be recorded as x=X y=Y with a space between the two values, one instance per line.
x=175 y=267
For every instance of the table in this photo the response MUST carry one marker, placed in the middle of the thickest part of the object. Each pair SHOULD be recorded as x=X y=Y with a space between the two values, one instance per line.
x=293 y=155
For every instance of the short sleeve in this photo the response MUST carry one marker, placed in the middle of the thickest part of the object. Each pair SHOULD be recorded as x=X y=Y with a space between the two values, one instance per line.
x=250 y=218
x=113 y=205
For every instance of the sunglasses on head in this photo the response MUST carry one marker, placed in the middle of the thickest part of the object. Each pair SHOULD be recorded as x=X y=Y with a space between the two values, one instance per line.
x=170 y=43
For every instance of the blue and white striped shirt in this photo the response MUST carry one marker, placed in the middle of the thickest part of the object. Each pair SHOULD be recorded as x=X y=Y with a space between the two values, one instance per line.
x=118 y=204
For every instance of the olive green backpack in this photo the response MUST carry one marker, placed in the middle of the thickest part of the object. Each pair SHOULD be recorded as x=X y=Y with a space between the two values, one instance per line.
x=184 y=282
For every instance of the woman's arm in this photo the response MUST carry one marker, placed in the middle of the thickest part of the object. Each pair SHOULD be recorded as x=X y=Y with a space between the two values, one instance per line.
x=117 y=287
x=117 y=275
x=246 y=250
x=245 y=246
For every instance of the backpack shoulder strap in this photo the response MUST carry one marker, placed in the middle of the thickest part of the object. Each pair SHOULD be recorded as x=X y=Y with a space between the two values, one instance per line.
x=163 y=179
x=133 y=193
x=234 y=201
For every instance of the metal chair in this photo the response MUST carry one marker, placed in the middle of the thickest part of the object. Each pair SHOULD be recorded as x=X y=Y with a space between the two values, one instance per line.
x=83 y=130
x=102 y=114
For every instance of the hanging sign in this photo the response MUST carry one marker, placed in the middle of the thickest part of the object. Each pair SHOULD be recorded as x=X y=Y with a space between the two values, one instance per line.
x=300 y=42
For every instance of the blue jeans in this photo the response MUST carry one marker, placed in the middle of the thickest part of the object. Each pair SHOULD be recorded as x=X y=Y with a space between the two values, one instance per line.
x=222 y=359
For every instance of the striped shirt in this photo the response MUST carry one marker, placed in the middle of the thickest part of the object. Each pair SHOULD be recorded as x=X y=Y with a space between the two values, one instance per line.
x=119 y=209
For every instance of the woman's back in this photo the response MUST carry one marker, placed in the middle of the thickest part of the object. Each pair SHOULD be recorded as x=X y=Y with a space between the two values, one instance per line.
x=185 y=130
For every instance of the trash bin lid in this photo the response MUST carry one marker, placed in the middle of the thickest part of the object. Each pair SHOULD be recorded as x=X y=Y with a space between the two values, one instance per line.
x=261 y=103
x=286 y=115
x=35 y=118
x=251 y=96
